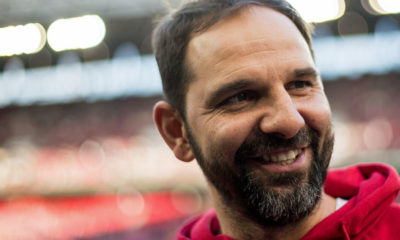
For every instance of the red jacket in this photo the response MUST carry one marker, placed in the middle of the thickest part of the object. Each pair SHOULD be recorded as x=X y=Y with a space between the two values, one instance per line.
x=370 y=212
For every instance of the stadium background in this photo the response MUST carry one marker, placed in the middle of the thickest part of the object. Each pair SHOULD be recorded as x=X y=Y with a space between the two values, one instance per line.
x=80 y=157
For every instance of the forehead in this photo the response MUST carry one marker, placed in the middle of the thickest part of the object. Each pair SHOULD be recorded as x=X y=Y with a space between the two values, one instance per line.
x=251 y=34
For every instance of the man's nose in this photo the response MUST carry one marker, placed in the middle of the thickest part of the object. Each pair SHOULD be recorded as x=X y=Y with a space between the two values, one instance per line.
x=282 y=118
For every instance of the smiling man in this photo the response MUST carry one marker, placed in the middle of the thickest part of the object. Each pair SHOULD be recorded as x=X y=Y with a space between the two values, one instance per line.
x=244 y=98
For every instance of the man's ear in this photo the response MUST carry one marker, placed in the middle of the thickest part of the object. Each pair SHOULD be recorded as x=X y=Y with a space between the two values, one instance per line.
x=171 y=128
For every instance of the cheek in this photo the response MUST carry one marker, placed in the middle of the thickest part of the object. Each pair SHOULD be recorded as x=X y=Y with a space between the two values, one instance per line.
x=317 y=115
x=227 y=135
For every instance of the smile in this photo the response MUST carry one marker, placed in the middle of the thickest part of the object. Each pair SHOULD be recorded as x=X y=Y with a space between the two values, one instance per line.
x=282 y=158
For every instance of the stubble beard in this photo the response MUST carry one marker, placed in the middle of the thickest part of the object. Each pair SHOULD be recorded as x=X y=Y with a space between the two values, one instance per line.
x=270 y=200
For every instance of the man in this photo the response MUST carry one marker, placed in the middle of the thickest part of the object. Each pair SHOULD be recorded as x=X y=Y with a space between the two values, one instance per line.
x=244 y=98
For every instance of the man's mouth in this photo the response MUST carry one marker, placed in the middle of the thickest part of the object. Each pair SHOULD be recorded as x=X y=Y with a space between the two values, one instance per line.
x=282 y=157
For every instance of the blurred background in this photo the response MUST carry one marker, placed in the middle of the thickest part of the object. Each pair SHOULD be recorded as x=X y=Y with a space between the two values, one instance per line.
x=80 y=157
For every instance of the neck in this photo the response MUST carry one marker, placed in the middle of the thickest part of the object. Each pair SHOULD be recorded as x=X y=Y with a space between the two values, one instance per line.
x=238 y=226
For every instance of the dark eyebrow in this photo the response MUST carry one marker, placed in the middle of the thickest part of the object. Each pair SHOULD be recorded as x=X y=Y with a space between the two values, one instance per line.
x=227 y=89
x=305 y=72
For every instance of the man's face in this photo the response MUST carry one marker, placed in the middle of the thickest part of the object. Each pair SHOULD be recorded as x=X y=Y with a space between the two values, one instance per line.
x=257 y=118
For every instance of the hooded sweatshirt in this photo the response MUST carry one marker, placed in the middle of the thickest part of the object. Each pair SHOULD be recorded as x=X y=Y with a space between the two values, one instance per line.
x=370 y=212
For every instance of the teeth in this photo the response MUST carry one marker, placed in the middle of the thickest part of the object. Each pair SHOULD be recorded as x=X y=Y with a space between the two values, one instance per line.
x=291 y=154
x=283 y=158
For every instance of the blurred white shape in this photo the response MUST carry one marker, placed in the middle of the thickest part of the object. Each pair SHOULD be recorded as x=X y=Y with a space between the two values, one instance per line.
x=16 y=40
x=317 y=11
x=344 y=142
x=385 y=6
x=131 y=202
x=378 y=134
x=76 y=33
x=91 y=155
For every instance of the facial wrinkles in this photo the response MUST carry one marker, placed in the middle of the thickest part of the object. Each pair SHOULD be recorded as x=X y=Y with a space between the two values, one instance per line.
x=229 y=129
x=262 y=59
x=201 y=120
x=254 y=47
x=271 y=68
x=264 y=76
x=229 y=135
x=260 y=65
x=249 y=48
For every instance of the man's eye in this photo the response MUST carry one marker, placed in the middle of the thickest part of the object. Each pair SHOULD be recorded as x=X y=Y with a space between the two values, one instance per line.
x=298 y=85
x=241 y=97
